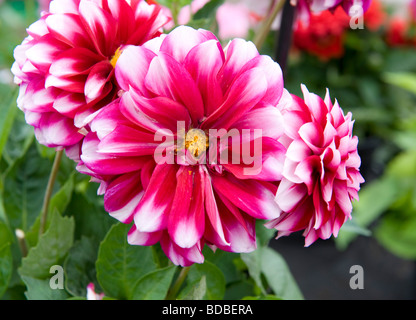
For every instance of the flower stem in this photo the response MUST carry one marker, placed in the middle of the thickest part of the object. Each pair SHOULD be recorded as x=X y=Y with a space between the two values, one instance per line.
x=49 y=190
x=284 y=40
x=173 y=292
x=21 y=240
x=267 y=24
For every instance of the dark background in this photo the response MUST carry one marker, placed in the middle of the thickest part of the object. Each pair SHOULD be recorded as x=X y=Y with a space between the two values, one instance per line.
x=322 y=271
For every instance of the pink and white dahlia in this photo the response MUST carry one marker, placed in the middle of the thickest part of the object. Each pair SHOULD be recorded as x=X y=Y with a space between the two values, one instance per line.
x=190 y=150
x=321 y=171
x=351 y=7
x=65 y=67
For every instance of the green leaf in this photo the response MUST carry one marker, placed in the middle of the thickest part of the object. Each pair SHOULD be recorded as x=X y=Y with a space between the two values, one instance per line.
x=24 y=187
x=59 y=201
x=375 y=198
x=8 y=112
x=154 y=285
x=120 y=265
x=278 y=275
x=198 y=291
x=397 y=231
x=215 y=280
x=404 y=80
x=266 y=262
x=51 y=249
x=253 y=263
x=6 y=266
x=79 y=266
x=91 y=219
x=40 y=289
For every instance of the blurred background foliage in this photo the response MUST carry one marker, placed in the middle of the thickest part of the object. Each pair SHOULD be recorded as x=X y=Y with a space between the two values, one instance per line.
x=373 y=76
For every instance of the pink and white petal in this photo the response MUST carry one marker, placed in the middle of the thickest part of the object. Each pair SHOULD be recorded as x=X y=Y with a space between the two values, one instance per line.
x=98 y=80
x=45 y=51
x=123 y=195
x=203 y=62
x=237 y=53
x=184 y=257
x=135 y=237
x=107 y=165
x=268 y=119
x=214 y=221
x=246 y=91
x=289 y=195
x=187 y=216
x=181 y=40
x=274 y=77
x=74 y=61
x=68 y=28
x=99 y=25
x=68 y=103
x=128 y=141
x=152 y=213
x=132 y=67
x=251 y=196
x=167 y=78
x=55 y=130
x=64 y=6
x=311 y=133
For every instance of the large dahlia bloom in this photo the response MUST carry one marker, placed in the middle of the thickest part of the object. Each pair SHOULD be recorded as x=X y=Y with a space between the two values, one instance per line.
x=321 y=170
x=65 y=67
x=189 y=152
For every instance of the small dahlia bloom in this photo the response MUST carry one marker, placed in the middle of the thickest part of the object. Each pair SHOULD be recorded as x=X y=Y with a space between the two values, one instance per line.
x=65 y=66
x=321 y=171
x=180 y=154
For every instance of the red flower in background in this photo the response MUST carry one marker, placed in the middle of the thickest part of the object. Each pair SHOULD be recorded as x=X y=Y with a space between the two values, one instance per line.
x=323 y=35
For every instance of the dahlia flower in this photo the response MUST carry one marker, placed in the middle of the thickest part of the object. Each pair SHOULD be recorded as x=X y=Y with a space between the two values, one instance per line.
x=321 y=171
x=65 y=66
x=180 y=154
x=349 y=6
x=323 y=35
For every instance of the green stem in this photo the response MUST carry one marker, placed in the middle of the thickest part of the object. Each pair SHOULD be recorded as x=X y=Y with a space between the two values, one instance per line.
x=267 y=24
x=173 y=292
x=49 y=190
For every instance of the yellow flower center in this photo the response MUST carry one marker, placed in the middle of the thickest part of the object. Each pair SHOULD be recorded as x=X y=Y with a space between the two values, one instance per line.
x=114 y=58
x=196 y=142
